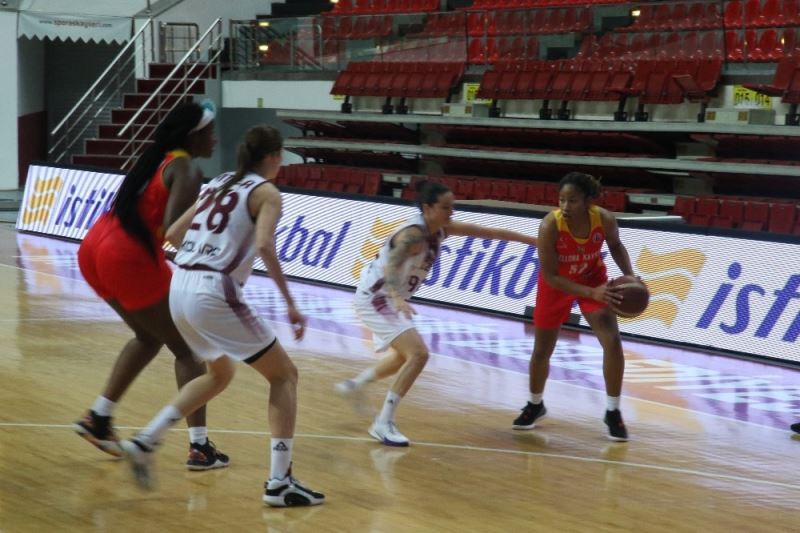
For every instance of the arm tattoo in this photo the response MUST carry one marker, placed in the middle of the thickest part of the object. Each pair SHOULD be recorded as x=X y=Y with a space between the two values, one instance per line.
x=400 y=252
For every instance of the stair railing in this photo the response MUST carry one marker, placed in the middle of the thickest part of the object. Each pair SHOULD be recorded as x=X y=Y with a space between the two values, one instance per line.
x=106 y=90
x=184 y=76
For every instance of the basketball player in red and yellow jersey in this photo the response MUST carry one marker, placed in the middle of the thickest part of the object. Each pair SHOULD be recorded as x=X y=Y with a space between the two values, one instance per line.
x=571 y=268
x=122 y=258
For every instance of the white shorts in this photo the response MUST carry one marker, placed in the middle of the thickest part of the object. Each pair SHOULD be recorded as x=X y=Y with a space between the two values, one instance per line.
x=213 y=318
x=378 y=313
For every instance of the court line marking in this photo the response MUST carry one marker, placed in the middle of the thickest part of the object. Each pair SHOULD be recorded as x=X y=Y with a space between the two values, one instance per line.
x=516 y=373
x=463 y=447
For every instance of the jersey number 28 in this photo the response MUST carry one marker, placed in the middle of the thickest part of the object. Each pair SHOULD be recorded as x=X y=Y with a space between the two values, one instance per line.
x=220 y=209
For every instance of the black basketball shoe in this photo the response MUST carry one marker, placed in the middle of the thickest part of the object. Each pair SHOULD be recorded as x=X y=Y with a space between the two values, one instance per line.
x=616 y=427
x=99 y=431
x=530 y=414
x=288 y=492
x=205 y=457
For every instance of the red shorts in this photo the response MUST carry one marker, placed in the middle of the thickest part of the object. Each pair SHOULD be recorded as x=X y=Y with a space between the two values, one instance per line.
x=553 y=306
x=119 y=267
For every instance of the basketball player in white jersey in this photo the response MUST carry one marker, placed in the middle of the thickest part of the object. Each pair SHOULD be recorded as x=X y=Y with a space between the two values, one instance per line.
x=383 y=292
x=234 y=219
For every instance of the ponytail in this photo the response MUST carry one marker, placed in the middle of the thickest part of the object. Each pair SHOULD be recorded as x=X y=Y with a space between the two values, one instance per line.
x=259 y=142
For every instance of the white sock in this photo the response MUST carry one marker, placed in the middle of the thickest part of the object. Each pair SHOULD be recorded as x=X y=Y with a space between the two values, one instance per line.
x=280 y=458
x=103 y=406
x=198 y=434
x=389 y=406
x=536 y=399
x=165 y=419
x=612 y=403
x=364 y=377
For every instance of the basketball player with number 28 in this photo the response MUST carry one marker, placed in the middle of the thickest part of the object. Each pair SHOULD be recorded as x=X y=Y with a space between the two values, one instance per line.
x=217 y=240
x=386 y=285
x=571 y=268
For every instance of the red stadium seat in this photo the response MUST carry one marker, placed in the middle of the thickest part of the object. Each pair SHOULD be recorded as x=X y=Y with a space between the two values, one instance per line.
x=755 y=213
x=782 y=217
x=707 y=206
x=732 y=210
x=684 y=206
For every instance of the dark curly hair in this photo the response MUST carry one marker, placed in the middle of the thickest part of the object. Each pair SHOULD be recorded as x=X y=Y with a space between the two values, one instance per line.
x=586 y=183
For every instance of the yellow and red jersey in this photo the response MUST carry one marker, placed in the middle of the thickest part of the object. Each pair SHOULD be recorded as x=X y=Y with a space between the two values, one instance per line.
x=580 y=259
x=153 y=200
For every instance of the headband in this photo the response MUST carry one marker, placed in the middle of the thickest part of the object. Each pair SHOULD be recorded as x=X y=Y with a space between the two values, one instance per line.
x=208 y=115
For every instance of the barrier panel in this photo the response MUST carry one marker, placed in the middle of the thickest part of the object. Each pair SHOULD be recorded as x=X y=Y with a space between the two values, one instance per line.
x=719 y=291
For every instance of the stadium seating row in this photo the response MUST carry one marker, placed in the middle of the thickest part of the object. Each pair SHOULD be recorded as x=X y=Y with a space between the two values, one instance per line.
x=521 y=191
x=785 y=84
x=750 y=214
x=778 y=148
x=398 y=79
x=517 y=4
x=773 y=215
x=665 y=17
x=622 y=143
x=706 y=15
x=521 y=22
x=651 y=81
x=354 y=7
x=331 y=178
x=733 y=45
x=361 y=27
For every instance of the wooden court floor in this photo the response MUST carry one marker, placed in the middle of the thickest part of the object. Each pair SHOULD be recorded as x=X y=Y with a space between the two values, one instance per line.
x=466 y=470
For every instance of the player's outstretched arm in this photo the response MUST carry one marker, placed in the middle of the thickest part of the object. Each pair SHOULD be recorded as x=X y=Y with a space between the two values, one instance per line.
x=482 y=232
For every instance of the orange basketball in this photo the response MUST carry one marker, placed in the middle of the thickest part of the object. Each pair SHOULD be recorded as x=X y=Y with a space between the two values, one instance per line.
x=635 y=296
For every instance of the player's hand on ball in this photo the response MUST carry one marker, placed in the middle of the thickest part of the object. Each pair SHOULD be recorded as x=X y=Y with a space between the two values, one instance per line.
x=607 y=294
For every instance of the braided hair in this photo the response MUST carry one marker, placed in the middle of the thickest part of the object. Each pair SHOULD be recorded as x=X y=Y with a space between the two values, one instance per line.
x=172 y=133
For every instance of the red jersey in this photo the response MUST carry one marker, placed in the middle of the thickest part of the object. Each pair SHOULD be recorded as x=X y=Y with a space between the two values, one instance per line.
x=580 y=259
x=153 y=201
x=116 y=264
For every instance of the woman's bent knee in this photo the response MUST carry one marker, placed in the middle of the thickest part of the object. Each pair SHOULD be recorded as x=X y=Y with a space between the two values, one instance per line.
x=419 y=357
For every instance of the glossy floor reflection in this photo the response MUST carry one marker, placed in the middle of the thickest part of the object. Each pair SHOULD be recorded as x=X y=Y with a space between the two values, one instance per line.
x=710 y=448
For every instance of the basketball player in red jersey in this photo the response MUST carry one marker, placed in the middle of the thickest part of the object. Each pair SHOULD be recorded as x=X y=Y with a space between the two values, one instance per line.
x=122 y=259
x=571 y=268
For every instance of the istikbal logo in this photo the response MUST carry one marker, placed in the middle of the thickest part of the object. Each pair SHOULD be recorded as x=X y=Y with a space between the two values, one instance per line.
x=377 y=235
x=42 y=199
x=670 y=277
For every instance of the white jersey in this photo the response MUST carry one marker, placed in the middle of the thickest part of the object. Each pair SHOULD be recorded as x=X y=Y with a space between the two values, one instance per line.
x=221 y=237
x=414 y=269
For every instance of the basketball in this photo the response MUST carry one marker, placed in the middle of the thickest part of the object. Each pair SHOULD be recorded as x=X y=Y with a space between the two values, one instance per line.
x=635 y=296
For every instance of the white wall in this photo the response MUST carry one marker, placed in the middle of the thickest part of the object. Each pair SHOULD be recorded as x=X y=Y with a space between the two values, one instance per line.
x=305 y=95
x=8 y=102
